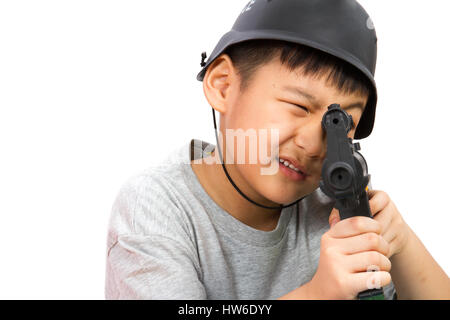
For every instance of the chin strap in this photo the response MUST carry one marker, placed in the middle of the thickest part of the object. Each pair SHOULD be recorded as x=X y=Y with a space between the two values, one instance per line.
x=231 y=181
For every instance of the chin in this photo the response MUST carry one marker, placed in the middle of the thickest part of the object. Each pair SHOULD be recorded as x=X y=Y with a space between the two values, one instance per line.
x=281 y=197
x=281 y=193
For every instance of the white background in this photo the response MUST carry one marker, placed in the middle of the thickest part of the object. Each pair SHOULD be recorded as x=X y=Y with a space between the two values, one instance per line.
x=92 y=92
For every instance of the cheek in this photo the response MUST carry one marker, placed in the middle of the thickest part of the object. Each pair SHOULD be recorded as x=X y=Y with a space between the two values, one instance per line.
x=284 y=119
x=247 y=116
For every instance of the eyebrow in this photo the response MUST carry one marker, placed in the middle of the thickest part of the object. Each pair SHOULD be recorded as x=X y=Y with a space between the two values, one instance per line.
x=301 y=92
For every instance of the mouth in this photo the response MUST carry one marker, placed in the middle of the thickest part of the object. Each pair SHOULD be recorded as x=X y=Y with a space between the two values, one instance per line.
x=291 y=169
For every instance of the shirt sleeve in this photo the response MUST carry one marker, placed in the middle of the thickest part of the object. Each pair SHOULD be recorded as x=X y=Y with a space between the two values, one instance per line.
x=150 y=252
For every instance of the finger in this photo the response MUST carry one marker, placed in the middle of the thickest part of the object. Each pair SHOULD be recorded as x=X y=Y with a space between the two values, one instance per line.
x=389 y=236
x=364 y=242
x=368 y=261
x=384 y=218
x=371 y=193
x=354 y=226
x=334 y=217
x=369 y=280
x=378 y=200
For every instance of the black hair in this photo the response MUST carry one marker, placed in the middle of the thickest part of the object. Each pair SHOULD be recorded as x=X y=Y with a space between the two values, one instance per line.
x=249 y=55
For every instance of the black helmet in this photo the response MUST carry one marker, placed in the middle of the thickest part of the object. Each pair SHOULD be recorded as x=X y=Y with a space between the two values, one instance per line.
x=341 y=28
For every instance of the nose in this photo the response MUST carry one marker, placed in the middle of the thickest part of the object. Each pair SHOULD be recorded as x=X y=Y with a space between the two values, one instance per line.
x=312 y=138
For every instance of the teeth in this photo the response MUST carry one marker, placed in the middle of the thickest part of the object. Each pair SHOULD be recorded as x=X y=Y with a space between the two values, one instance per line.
x=287 y=164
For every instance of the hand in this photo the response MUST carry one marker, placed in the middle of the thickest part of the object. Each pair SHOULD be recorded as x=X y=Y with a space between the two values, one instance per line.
x=394 y=230
x=349 y=251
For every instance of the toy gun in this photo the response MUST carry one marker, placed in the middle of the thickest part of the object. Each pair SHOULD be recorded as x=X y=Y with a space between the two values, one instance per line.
x=344 y=174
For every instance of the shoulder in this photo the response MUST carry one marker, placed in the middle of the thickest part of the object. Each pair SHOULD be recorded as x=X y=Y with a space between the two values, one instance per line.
x=150 y=203
x=160 y=200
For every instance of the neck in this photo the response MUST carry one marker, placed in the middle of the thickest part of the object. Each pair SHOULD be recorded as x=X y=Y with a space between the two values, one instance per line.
x=215 y=182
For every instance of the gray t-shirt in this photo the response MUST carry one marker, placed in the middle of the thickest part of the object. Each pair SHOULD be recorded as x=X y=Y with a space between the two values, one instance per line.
x=167 y=239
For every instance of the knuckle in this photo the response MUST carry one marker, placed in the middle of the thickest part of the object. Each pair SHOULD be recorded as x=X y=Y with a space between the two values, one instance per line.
x=388 y=264
x=362 y=224
x=381 y=194
x=385 y=264
x=340 y=283
x=375 y=258
x=398 y=222
x=385 y=196
x=388 y=278
x=357 y=223
x=385 y=278
x=375 y=222
x=377 y=226
x=329 y=251
x=374 y=240
x=383 y=241
x=325 y=240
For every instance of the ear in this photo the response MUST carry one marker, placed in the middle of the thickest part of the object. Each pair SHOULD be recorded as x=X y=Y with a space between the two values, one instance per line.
x=218 y=82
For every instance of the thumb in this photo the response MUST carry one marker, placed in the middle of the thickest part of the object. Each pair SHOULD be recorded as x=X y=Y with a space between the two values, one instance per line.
x=334 y=217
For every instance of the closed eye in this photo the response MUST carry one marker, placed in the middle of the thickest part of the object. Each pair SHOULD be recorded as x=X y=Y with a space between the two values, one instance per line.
x=300 y=106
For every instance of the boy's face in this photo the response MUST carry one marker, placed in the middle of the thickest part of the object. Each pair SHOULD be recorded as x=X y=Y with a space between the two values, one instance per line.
x=272 y=101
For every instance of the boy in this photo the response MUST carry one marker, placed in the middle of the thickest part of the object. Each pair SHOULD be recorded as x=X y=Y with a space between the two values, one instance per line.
x=203 y=226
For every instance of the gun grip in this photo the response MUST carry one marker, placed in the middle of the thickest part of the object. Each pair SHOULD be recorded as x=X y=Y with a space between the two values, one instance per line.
x=362 y=208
